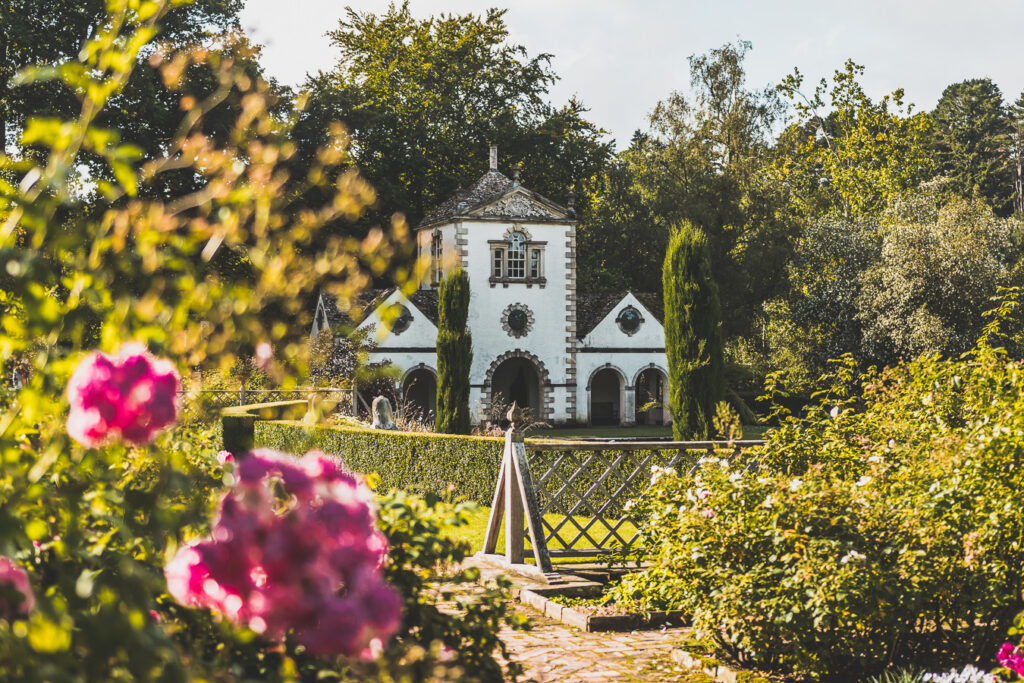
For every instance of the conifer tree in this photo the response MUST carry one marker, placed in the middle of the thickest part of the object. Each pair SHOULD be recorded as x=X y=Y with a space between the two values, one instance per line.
x=454 y=355
x=693 y=333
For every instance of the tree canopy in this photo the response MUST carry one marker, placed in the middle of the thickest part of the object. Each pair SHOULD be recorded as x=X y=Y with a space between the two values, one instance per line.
x=423 y=98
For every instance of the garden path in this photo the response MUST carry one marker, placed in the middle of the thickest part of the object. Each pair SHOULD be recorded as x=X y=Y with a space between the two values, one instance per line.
x=552 y=651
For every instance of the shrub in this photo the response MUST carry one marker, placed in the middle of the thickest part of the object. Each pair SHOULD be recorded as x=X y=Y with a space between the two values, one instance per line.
x=116 y=261
x=881 y=528
x=693 y=334
x=454 y=354
x=440 y=464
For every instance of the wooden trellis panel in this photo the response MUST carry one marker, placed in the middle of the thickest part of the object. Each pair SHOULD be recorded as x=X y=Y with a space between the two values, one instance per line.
x=571 y=496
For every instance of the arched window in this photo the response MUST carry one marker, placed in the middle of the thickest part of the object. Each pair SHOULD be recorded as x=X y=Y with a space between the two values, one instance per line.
x=517 y=258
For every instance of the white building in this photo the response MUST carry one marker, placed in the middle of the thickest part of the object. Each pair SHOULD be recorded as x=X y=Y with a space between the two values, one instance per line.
x=570 y=356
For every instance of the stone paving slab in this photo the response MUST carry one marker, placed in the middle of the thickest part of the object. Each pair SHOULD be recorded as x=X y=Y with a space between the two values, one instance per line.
x=552 y=651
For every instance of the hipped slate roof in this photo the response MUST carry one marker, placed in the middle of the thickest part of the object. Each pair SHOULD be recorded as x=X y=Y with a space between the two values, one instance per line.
x=425 y=300
x=591 y=308
x=490 y=187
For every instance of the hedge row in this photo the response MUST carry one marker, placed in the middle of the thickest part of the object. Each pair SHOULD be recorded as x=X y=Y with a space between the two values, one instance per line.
x=445 y=464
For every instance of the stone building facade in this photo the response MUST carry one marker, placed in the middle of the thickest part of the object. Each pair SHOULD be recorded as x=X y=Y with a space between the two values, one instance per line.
x=570 y=356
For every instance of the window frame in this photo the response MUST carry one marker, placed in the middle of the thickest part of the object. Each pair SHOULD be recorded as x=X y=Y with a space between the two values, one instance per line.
x=506 y=267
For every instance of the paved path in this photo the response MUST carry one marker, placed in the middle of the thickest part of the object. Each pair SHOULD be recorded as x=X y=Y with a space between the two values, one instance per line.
x=552 y=651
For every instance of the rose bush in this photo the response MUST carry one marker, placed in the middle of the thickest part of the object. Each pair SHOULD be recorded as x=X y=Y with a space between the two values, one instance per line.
x=879 y=528
x=94 y=498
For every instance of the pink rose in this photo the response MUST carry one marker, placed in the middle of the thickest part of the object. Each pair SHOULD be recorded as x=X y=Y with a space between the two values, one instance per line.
x=224 y=457
x=14 y=584
x=132 y=395
x=1010 y=656
x=312 y=566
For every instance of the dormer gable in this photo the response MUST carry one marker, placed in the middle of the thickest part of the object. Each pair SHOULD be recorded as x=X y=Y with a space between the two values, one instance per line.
x=415 y=324
x=619 y=321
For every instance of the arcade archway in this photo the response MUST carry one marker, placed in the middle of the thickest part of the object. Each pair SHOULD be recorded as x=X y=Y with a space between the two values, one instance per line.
x=606 y=388
x=651 y=385
x=419 y=394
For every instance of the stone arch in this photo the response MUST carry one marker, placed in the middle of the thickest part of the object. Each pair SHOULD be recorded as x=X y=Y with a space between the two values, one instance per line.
x=608 y=396
x=651 y=384
x=546 y=391
x=645 y=368
x=419 y=392
x=415 y=368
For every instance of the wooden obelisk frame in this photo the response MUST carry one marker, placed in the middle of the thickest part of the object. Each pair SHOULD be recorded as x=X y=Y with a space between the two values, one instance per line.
x=516 y=500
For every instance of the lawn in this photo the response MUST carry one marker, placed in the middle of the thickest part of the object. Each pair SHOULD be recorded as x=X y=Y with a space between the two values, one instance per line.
x=475 y=531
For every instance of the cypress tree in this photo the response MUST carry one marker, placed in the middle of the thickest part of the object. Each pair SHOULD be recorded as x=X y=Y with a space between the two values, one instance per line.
x=693 y=334
x=454 y=355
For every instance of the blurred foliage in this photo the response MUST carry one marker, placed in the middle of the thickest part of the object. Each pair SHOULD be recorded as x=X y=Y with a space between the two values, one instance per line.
x=93 y=264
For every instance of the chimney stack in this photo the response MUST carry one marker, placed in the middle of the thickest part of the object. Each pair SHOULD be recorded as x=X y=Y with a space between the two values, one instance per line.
x=494 y=157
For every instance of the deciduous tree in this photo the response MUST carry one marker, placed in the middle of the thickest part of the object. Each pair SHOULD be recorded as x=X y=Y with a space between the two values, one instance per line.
x=422 y=99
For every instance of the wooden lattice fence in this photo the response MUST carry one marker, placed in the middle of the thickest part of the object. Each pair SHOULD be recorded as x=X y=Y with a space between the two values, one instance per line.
x=568 y=499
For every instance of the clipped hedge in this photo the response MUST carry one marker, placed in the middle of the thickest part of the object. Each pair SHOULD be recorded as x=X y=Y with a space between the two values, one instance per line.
x=445 y=464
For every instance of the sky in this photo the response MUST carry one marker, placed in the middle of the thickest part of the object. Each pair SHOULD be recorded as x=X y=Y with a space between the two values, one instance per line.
x=621 y=57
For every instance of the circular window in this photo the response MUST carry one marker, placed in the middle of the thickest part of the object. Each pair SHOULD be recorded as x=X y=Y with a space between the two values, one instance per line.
x=517 y=320
x=402 y=322
x=629 y=320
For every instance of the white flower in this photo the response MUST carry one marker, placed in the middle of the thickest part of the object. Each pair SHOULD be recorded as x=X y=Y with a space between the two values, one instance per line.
x=834 y=412
x=969 y=674
x=767 y=502
x=875 y=458
x=864 y=481
x=795 y=484
x=852 y=556
x=630 y=504
x=658 y=472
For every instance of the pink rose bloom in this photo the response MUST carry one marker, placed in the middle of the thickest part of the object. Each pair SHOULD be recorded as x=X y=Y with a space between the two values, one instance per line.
x=131 y=395
x=312 y=567
x=224 y=457
x=1011 y=657
x=14 y=582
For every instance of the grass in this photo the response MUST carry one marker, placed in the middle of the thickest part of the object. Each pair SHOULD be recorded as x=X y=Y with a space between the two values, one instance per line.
x=475 y=531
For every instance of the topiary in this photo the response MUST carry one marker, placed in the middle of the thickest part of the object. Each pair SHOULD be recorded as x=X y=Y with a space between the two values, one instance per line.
x=693 y=334
x=454 y=355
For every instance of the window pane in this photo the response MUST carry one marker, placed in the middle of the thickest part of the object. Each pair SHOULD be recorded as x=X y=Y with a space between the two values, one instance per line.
x=498 y=257
x=535 y=263
x=517 y=255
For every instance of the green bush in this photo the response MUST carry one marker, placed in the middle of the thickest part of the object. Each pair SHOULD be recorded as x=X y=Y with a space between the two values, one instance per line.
x=693 y=334
x=94 y=266
x=442 y=464
x=882 y=528
x=454 y=354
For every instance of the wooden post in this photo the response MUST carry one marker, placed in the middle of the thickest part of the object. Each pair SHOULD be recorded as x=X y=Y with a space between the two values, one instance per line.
x=516 y=501
x=513 y=503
